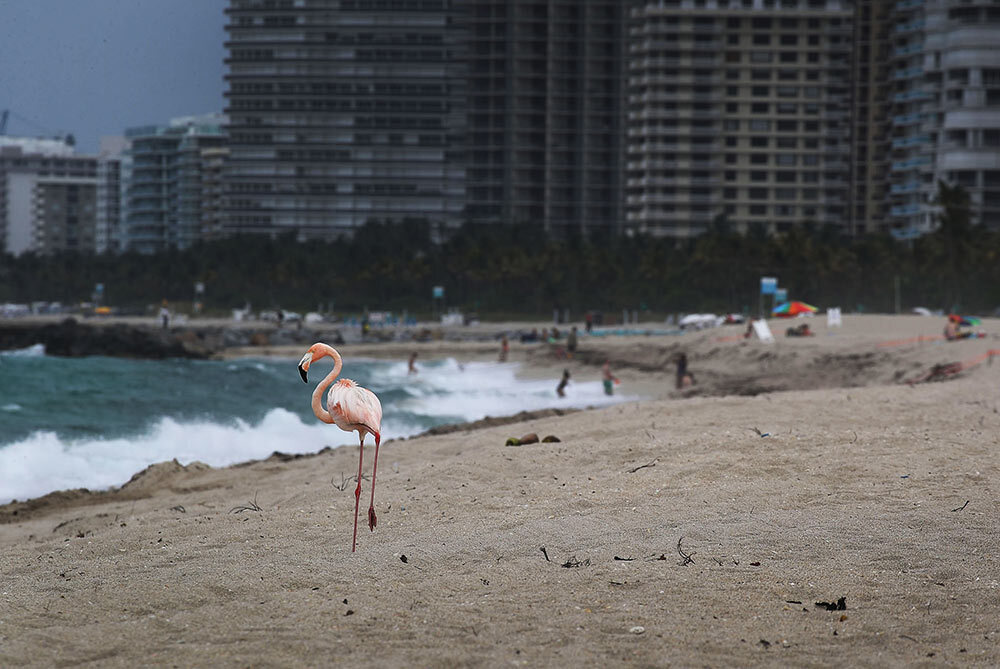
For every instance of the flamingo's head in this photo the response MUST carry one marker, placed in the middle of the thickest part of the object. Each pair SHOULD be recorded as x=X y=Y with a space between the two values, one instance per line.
x=315 y=352
x=305 y=362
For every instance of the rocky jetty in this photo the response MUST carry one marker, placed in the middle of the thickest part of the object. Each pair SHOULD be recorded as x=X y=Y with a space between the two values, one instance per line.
x=72 y=338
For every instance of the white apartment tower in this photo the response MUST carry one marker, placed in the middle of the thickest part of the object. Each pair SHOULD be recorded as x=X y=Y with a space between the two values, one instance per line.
x=946 y=113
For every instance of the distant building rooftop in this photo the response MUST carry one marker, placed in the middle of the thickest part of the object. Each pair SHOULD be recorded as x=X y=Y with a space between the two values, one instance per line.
x=35 y=146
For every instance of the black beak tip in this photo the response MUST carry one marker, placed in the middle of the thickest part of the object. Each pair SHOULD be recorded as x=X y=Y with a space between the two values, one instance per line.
x=302 y=373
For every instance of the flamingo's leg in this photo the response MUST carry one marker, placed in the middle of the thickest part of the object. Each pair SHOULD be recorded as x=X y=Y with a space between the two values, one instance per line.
x=372 y=519
x=357 y=491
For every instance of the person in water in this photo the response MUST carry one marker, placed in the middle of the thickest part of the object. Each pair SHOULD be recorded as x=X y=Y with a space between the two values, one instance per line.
x=608 y=379
x=561 y=388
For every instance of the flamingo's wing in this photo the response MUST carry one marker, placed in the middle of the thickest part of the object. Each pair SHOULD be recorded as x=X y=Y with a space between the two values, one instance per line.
x=353 y=405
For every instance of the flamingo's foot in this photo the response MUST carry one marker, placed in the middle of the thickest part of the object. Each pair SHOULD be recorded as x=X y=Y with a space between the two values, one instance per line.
x=372 y=519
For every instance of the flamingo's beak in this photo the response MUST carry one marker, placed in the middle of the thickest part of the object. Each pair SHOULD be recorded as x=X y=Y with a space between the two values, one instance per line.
x=304 y=366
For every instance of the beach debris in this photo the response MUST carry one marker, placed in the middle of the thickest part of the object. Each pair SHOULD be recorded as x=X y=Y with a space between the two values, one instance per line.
x=249 y=506
x=181 y=509
x=761 y=434
x=636 y=629
x=551 y=439
x=530 y=438
x=573 y=562
x=651 y=463
x=513 y=441
x=687 y=558
x=403 y=559
x=839 y=605
x=621 y=559
x=542 y=548
x=765 y=643
x=344 y=482
x=961 y=507
x=349 y=612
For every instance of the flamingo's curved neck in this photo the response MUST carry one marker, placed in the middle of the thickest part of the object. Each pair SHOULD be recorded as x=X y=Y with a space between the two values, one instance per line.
x=317 y=396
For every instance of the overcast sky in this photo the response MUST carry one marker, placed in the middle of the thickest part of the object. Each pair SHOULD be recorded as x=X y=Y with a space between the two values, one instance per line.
x=96 y=67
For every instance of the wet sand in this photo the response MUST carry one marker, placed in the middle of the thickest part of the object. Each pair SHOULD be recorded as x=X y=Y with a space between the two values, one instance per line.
x=701 y=527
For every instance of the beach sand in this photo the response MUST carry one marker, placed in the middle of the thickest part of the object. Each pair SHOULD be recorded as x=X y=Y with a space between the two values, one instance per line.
x=698 y=528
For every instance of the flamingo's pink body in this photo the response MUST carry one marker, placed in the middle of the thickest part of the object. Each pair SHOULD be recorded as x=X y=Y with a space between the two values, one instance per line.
x=351 y=408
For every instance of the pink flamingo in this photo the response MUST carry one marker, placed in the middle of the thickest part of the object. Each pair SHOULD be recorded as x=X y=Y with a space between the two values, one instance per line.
x=350 y=407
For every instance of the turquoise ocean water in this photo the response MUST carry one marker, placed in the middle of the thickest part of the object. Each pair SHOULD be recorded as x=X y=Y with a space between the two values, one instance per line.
x=94 y=422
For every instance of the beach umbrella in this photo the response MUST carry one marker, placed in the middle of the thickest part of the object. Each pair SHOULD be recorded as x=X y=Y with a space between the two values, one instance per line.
x=793 y=308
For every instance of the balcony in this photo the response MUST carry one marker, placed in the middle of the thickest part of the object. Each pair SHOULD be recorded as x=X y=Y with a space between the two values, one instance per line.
x=911 y=96
x=905 y=210
x=908 y=187
x=908 y=27
x=907 y=50
x=915 y=140
x=908 y=73
x=911 y=163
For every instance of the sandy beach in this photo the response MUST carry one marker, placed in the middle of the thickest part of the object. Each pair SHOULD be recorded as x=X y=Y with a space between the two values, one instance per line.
x=704 y=527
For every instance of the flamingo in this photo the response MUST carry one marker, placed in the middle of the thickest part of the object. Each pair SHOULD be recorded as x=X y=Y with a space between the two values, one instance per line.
x=350 y=407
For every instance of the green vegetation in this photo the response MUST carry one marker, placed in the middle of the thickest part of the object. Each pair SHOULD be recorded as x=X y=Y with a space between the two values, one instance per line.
x=503 y=270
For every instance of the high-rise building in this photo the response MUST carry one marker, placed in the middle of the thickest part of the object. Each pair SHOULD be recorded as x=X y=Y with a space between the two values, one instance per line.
x=738 y=112
x=343 y=111
x=946 y=121
x=163 y=190
x=871 y=60
x=48 y=197
x=213 y=160
x=108 y=231
x=546 y=117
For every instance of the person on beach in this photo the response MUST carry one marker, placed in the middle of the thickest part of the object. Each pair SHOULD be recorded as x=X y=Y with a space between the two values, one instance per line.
x=561 y=388
x=571 y=342
x=413 y=363
x=504 y=349
x=164 y=315
x=589 y=320
x=684 y=377
x=608 y=378
x=952 y=330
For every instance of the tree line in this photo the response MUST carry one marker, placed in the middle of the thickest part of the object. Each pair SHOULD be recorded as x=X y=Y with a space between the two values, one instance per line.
x=516 y=270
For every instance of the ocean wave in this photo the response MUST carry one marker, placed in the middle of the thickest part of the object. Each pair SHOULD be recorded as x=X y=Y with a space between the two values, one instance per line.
x=44 y=462
x=33 y=351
